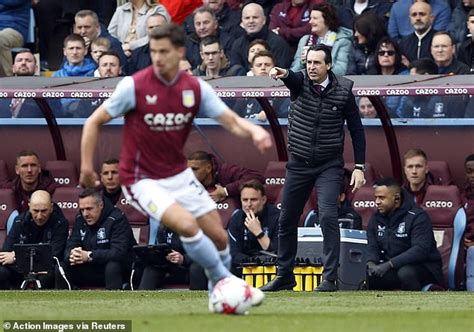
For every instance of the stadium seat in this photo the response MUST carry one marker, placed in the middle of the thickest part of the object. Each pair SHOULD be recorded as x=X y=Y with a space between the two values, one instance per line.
x=440 y=171
x=226 y=209
x=64 y=172
x=8 y=212
x=308 y=209
x=363 y=203
x=138 y=221
x=444 y=206
x=274 y=179
x=4 y=175
x=67 y=199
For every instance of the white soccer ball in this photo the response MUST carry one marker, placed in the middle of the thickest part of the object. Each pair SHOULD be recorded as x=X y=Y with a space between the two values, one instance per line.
x=231 y=296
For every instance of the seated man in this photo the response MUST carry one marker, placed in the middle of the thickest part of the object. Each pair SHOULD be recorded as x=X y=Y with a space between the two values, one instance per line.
x=177 y=269
x=43 y=223
x=76 y=64
x=29 y=178
x=418 y=178
x=109 y=177
x=99 y=251
x=222 y=180
x=254 y=227
x=468 y=196
x=401 y=250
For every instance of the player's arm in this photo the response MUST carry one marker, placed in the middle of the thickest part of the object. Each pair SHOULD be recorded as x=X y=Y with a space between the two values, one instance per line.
x=244 y=128
x=90 y=134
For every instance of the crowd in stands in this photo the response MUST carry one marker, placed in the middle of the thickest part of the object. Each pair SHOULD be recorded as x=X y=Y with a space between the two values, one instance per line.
x=95 y=244
x=366 y=37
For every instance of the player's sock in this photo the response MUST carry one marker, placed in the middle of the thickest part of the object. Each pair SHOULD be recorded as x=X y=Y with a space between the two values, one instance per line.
x=225 y=257
x=203 y=251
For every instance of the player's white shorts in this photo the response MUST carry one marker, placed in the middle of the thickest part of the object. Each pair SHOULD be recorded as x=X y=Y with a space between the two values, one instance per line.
x=155 y=196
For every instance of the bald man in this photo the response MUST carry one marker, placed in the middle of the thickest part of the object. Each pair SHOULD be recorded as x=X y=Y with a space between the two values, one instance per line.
x=44 y=222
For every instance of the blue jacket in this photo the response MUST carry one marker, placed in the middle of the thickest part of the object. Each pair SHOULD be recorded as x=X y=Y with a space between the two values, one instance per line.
x=67 y=70
x=15 y=14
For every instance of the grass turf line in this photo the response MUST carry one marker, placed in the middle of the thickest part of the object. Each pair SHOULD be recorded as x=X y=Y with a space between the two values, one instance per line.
x=283 y=311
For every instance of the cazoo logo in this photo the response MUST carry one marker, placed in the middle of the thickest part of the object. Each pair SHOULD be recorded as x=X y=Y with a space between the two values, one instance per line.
x=439 y=204
x=364 y=204
x=3 y=207
x=222 y=206
x=62 y=180
x=68 y=205
x=275 y=181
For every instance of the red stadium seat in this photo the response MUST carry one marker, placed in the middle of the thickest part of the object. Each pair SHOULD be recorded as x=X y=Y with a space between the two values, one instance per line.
x=363 y=203
x=444 y=206
x=138 y=221
x=310 y=205
x=226 y=209
x=67 y=199
x=64 y=172
x=4 y=175
x=440 y=171
x=274 y=179
x=8 y=212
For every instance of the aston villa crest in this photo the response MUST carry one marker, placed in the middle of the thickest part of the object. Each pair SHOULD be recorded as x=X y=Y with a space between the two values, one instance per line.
x=101 y=234
x=188 y=98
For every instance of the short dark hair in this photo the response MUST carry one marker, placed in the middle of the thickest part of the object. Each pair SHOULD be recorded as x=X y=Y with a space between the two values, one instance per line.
x=389 y=183
x=200 y=155
x=111 y=161
x=26 y=153
x=424 y=66
x=326 y=49
x=387 y=41
x=24 y=50
x=73 y=37
x=175 y=33
x=91 y=192
x=470 y=13
x=329 y=14
x=262 y=54
x=259 y=41
x=415 y=153
x=372 y=27
x=253 y=184
x=111 y=53
x=209 y=40
x=469 y=158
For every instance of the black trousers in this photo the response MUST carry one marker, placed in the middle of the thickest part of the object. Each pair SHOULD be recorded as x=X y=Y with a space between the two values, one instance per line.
x=109 y=275
x=156 y=277
x=300 y=180
x=408 y=277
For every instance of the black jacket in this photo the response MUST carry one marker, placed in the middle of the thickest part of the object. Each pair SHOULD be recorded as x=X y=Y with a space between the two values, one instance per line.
x=172 y=239
x=466 y=53
x=193 y=51
x=110 y=239
x=139 y=60
x=404 y=237
x=316 y=121
x=25 y=231
x=409 y=46
x=243 y=243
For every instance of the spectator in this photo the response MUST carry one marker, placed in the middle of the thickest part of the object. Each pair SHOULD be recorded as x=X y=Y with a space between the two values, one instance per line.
x=418 y=177
x=128 y=24
x=205 y=25
x=109 y=177
x=399 y=25
x=76 y=63
x=424 y=66
x=184 y=65
x=109 y=65
x=325 y=29
x=368 y=30
x=256 y=46
x=443 y=51
x=366 y=109
x=468 y=197
x=14 y=23
x=24 y=64
x=250 y=108
x=353 y=8
x=214 y=61
x=228 y=20
x=140 y=57
x=253 y=22
x=99 y=251
x=88 y=27
x=417 y=44
x=29 y=178
x=290 y=19
x=402 y=250
x=466 y=49
x=222 y=180
x=460 y=16
x=176 y=269
x=254 y=227
x=99 y=46
x=44 y=222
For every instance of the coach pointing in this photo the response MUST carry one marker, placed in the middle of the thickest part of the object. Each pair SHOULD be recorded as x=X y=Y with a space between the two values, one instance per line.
x=321 y=103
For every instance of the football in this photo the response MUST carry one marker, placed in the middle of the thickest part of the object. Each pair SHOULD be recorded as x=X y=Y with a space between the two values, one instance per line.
x=231 y=296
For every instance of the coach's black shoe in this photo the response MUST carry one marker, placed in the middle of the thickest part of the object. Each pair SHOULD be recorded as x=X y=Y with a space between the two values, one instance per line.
x=279 y=284
x=326 y=286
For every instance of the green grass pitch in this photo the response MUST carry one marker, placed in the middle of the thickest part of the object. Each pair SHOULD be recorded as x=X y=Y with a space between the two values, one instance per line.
x=283 y=311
